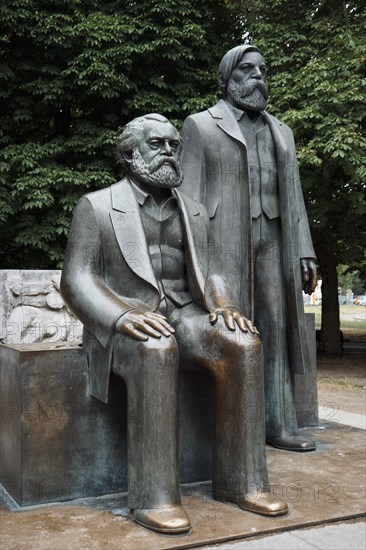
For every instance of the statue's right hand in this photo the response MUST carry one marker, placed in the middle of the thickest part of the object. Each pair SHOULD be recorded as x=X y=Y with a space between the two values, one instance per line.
x=140 y=324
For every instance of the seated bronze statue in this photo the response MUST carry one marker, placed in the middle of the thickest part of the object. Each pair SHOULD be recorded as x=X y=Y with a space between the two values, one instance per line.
x=139 y=275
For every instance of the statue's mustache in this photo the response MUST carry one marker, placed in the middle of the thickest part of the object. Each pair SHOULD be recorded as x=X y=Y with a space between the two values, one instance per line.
x=254 y=84
x=156 y=163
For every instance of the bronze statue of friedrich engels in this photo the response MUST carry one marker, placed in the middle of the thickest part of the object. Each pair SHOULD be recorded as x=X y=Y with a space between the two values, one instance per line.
x=241 y=163
x=138 y=275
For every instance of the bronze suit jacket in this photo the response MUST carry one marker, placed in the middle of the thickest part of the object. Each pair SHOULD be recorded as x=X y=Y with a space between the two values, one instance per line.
x=107 y=269
x=214 y=159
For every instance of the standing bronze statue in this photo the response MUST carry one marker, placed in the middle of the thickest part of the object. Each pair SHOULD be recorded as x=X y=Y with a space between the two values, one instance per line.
x=241 y=162
x=139 y=275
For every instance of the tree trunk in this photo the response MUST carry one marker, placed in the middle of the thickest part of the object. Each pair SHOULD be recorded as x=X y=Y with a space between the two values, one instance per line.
x=345 y=12
x=63 y=120
x=330 y=336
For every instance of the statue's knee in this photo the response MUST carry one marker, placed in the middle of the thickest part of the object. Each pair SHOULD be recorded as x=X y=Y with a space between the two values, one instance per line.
x=238 y=344
x=236 y=338
x=250 y=341
x=166 y=345
x=250 y=346
x=242 y=359
x=137 y=359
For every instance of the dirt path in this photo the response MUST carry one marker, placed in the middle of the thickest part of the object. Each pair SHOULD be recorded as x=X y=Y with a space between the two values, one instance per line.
x=342 y=379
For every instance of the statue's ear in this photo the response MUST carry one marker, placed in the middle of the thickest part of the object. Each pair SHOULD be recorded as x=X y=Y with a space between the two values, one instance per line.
x=221 y=80
x=127 y=157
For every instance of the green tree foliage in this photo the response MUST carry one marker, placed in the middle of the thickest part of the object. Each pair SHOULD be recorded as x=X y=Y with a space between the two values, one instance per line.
x=71 y=73
x=350 y=280
x=316 y=56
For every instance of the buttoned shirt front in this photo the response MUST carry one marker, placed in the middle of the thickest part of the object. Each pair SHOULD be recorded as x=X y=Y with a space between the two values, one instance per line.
x=262 y=164
x=164 y=236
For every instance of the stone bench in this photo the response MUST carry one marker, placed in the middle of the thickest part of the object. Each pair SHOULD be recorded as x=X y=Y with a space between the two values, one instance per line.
x=58 y=443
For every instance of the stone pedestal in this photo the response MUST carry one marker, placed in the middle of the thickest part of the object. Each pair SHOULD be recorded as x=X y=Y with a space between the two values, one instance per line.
x=58 y=443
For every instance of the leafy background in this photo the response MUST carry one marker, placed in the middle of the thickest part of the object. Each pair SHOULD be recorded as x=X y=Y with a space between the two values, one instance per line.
x=73 y=72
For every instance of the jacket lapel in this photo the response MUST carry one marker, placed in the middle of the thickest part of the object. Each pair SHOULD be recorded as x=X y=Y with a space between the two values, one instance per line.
x=279 y=141
x=227 y=121
x=129 y=231
x=192 y=230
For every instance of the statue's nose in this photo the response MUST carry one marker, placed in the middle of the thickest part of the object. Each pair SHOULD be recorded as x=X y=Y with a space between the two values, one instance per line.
x=256 y=73
x=167 y=150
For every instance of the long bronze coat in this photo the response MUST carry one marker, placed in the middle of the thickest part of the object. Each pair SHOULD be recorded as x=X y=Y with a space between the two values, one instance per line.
x=108 y=271
x=215 y=169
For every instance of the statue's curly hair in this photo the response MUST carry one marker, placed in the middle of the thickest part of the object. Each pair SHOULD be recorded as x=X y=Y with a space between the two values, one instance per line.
x=131 y=135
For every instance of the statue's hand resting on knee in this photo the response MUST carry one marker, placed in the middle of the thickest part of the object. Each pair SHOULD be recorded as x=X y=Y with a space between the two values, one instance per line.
x=232 y=317
x=140 y=324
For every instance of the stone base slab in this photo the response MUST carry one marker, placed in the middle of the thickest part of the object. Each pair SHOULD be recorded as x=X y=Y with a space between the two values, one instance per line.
x=324 y=486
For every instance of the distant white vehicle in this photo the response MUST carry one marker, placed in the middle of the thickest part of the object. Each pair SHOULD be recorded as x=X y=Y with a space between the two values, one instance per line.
x=361 y=301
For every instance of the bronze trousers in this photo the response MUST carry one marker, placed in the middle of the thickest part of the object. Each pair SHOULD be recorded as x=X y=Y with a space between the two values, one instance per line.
x=271 y=320
x=151 y=372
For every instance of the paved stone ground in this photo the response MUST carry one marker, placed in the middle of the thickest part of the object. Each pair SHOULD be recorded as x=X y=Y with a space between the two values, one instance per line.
x=342 y=536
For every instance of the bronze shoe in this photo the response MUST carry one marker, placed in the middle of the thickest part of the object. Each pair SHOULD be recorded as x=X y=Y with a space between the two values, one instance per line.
x=170 y=521
x=264 y=503
x=292 y=443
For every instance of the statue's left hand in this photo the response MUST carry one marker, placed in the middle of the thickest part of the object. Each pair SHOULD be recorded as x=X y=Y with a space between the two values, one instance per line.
x=309 y=275
x=231 y=317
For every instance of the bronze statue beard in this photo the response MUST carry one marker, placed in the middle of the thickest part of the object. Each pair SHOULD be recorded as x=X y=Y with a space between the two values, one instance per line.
x=252 y=95
x=156 y=173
